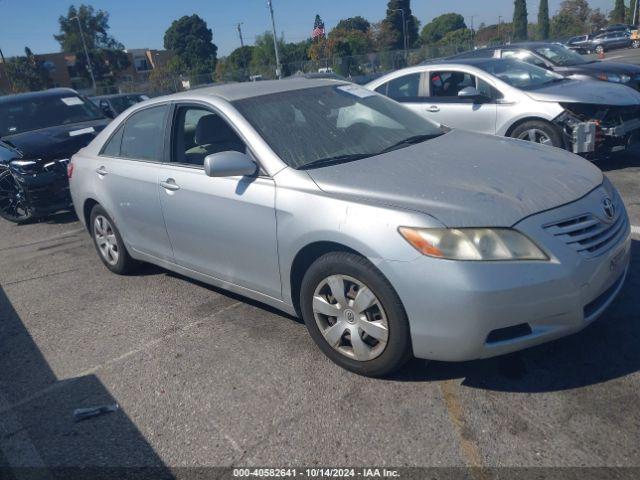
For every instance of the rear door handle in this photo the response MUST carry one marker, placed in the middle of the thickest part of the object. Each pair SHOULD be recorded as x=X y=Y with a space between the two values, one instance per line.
x=101 y=171
x=433 y=109
x=170 y=184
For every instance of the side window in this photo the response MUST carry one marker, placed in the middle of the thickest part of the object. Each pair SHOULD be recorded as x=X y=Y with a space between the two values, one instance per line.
x=112 y=147
x=487 y=90
x=143 y=134
x=448 y=84
x=199 y=132
x=405 y=87
x=523 y=56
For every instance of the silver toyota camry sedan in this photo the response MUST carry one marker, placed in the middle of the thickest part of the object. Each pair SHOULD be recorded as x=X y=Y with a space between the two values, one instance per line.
x=388 y=235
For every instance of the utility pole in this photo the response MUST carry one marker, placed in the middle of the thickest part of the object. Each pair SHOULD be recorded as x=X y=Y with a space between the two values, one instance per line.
x=4 y=64
x=275 y=42
x=239 y=26
x=635 y=14
x=404 y=28
x=86 y=54
x=473 y=32
x=499 y=25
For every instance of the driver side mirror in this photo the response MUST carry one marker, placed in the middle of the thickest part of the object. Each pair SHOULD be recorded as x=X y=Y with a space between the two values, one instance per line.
x=229 y=164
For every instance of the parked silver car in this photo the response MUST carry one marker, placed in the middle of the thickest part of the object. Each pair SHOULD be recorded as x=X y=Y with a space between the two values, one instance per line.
x=515 y=99
x=387 y=235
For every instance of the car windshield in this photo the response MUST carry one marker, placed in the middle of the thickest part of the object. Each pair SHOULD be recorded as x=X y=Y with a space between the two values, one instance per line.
x=520 y=74
x=23 y=114
x=315 y=127
x=120 y=104
x=560 y=55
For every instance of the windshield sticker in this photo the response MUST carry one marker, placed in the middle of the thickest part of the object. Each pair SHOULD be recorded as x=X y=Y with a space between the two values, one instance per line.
x=71 y=101
x=82 y=131
x=357 y=91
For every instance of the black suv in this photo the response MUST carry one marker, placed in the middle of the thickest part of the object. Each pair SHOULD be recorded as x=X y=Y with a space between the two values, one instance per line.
x=560 y=59
x=39 y=132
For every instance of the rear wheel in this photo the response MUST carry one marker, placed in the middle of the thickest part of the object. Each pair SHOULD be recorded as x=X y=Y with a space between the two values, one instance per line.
x=538 y=131
x=108 y=242
x=599 y=49
x=635 y=44
x=13 y=205
x=354 y=315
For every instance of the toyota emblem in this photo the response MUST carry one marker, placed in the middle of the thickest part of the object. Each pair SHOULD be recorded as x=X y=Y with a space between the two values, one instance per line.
x=609 y=208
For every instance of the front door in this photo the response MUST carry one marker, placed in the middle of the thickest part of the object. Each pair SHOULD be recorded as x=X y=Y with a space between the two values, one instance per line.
x=221 y=227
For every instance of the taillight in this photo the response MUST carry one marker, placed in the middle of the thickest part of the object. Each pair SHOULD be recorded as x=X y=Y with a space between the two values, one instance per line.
x=70 y=170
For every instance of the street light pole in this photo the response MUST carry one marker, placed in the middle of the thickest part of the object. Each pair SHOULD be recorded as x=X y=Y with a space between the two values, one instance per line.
x=275 y=42
x=86 y=54
x=239 y=26
x=499 y=25
x=404 y=28
x=4 y=64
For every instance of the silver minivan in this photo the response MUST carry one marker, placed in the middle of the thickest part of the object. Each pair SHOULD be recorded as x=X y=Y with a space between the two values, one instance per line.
x=389 y=236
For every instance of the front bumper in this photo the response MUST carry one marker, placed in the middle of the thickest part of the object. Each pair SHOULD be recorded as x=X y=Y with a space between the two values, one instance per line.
x=469 y=310
x=45 y=190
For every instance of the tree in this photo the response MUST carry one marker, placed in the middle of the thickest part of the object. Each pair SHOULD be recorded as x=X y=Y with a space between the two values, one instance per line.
x=26 y=73
x=573 y=18
x=354 y=23
x=191 y=41
x=106 y=54
x=597 y=20
x=619 y=12
x=543 y=20
x=520 y=21
x=435 y=30
x=393 y=24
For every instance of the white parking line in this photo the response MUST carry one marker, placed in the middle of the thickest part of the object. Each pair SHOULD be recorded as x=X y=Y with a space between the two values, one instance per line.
x=635 y=230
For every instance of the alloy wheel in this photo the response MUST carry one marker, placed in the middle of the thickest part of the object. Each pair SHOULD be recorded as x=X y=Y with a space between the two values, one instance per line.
x=106 y=240
x=350 y=317
x=12 y=201
x=537 y=136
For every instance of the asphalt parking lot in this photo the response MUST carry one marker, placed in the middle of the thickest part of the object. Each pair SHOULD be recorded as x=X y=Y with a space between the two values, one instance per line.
x=206 y=378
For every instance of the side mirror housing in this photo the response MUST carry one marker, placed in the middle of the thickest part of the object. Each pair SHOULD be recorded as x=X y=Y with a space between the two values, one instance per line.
x=229 y=164
x=471 y=92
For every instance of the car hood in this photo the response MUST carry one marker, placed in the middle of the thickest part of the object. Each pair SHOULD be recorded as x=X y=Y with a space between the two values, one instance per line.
x=586 y=91
x=465 y=179
x=606 y=67
x=54 y=143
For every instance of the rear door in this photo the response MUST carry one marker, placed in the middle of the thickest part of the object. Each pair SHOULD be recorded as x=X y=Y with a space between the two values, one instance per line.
x=407 y=89
x=445 y=107
x=127 y=180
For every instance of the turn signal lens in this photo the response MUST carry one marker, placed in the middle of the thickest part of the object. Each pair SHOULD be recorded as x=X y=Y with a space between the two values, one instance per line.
x=70 y=170
x=472 y=243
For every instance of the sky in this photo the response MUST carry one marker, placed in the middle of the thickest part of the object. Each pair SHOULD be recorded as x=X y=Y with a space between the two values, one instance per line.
x=142 y=23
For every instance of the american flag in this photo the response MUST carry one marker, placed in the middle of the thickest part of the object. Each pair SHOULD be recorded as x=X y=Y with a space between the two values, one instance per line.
x=318 y=28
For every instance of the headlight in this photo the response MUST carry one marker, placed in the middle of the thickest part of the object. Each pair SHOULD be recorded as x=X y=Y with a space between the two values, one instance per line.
x=614 y=77
x=472 y=243
x=24 y=166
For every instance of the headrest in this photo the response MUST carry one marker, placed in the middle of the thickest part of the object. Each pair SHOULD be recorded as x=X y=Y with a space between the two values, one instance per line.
x=213 y=129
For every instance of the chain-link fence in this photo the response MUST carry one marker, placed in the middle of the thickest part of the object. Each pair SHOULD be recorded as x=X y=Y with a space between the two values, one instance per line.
x=359 y=68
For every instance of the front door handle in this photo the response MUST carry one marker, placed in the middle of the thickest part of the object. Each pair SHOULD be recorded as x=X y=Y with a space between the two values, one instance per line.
x=433 y=109
x=101 y=171
x=170 y=184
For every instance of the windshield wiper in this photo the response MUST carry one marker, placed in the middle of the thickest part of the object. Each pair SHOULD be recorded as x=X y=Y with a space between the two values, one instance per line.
x=409 y=141
x=324 y=162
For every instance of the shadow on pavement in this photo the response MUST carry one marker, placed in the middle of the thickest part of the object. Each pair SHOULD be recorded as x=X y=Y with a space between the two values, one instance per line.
x=38 y=435
x=606 y=350
x=628 y=159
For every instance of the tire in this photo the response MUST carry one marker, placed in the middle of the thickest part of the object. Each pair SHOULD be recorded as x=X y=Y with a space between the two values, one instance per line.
x=13 y=206
x=635 y=44
x=599 y=49
x=108 y=243
x=539 y=131
x=375 y=355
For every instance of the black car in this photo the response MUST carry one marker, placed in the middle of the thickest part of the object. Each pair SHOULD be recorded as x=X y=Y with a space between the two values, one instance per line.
x=39 y=132
x=558 y=58
x=114 y=105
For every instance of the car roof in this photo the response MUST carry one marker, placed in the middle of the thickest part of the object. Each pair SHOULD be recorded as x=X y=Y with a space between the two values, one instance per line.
x=238 y=91
x=52 y=92
x=114 y=95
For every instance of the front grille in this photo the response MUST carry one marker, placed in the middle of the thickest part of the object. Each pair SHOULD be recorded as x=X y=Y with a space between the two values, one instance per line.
x=589 y=235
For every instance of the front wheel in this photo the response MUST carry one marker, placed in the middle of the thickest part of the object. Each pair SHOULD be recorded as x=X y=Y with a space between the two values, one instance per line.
x=538 y=131
x=635 y=44
x=13 y=205
x=599 y=49
x=354 y=315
